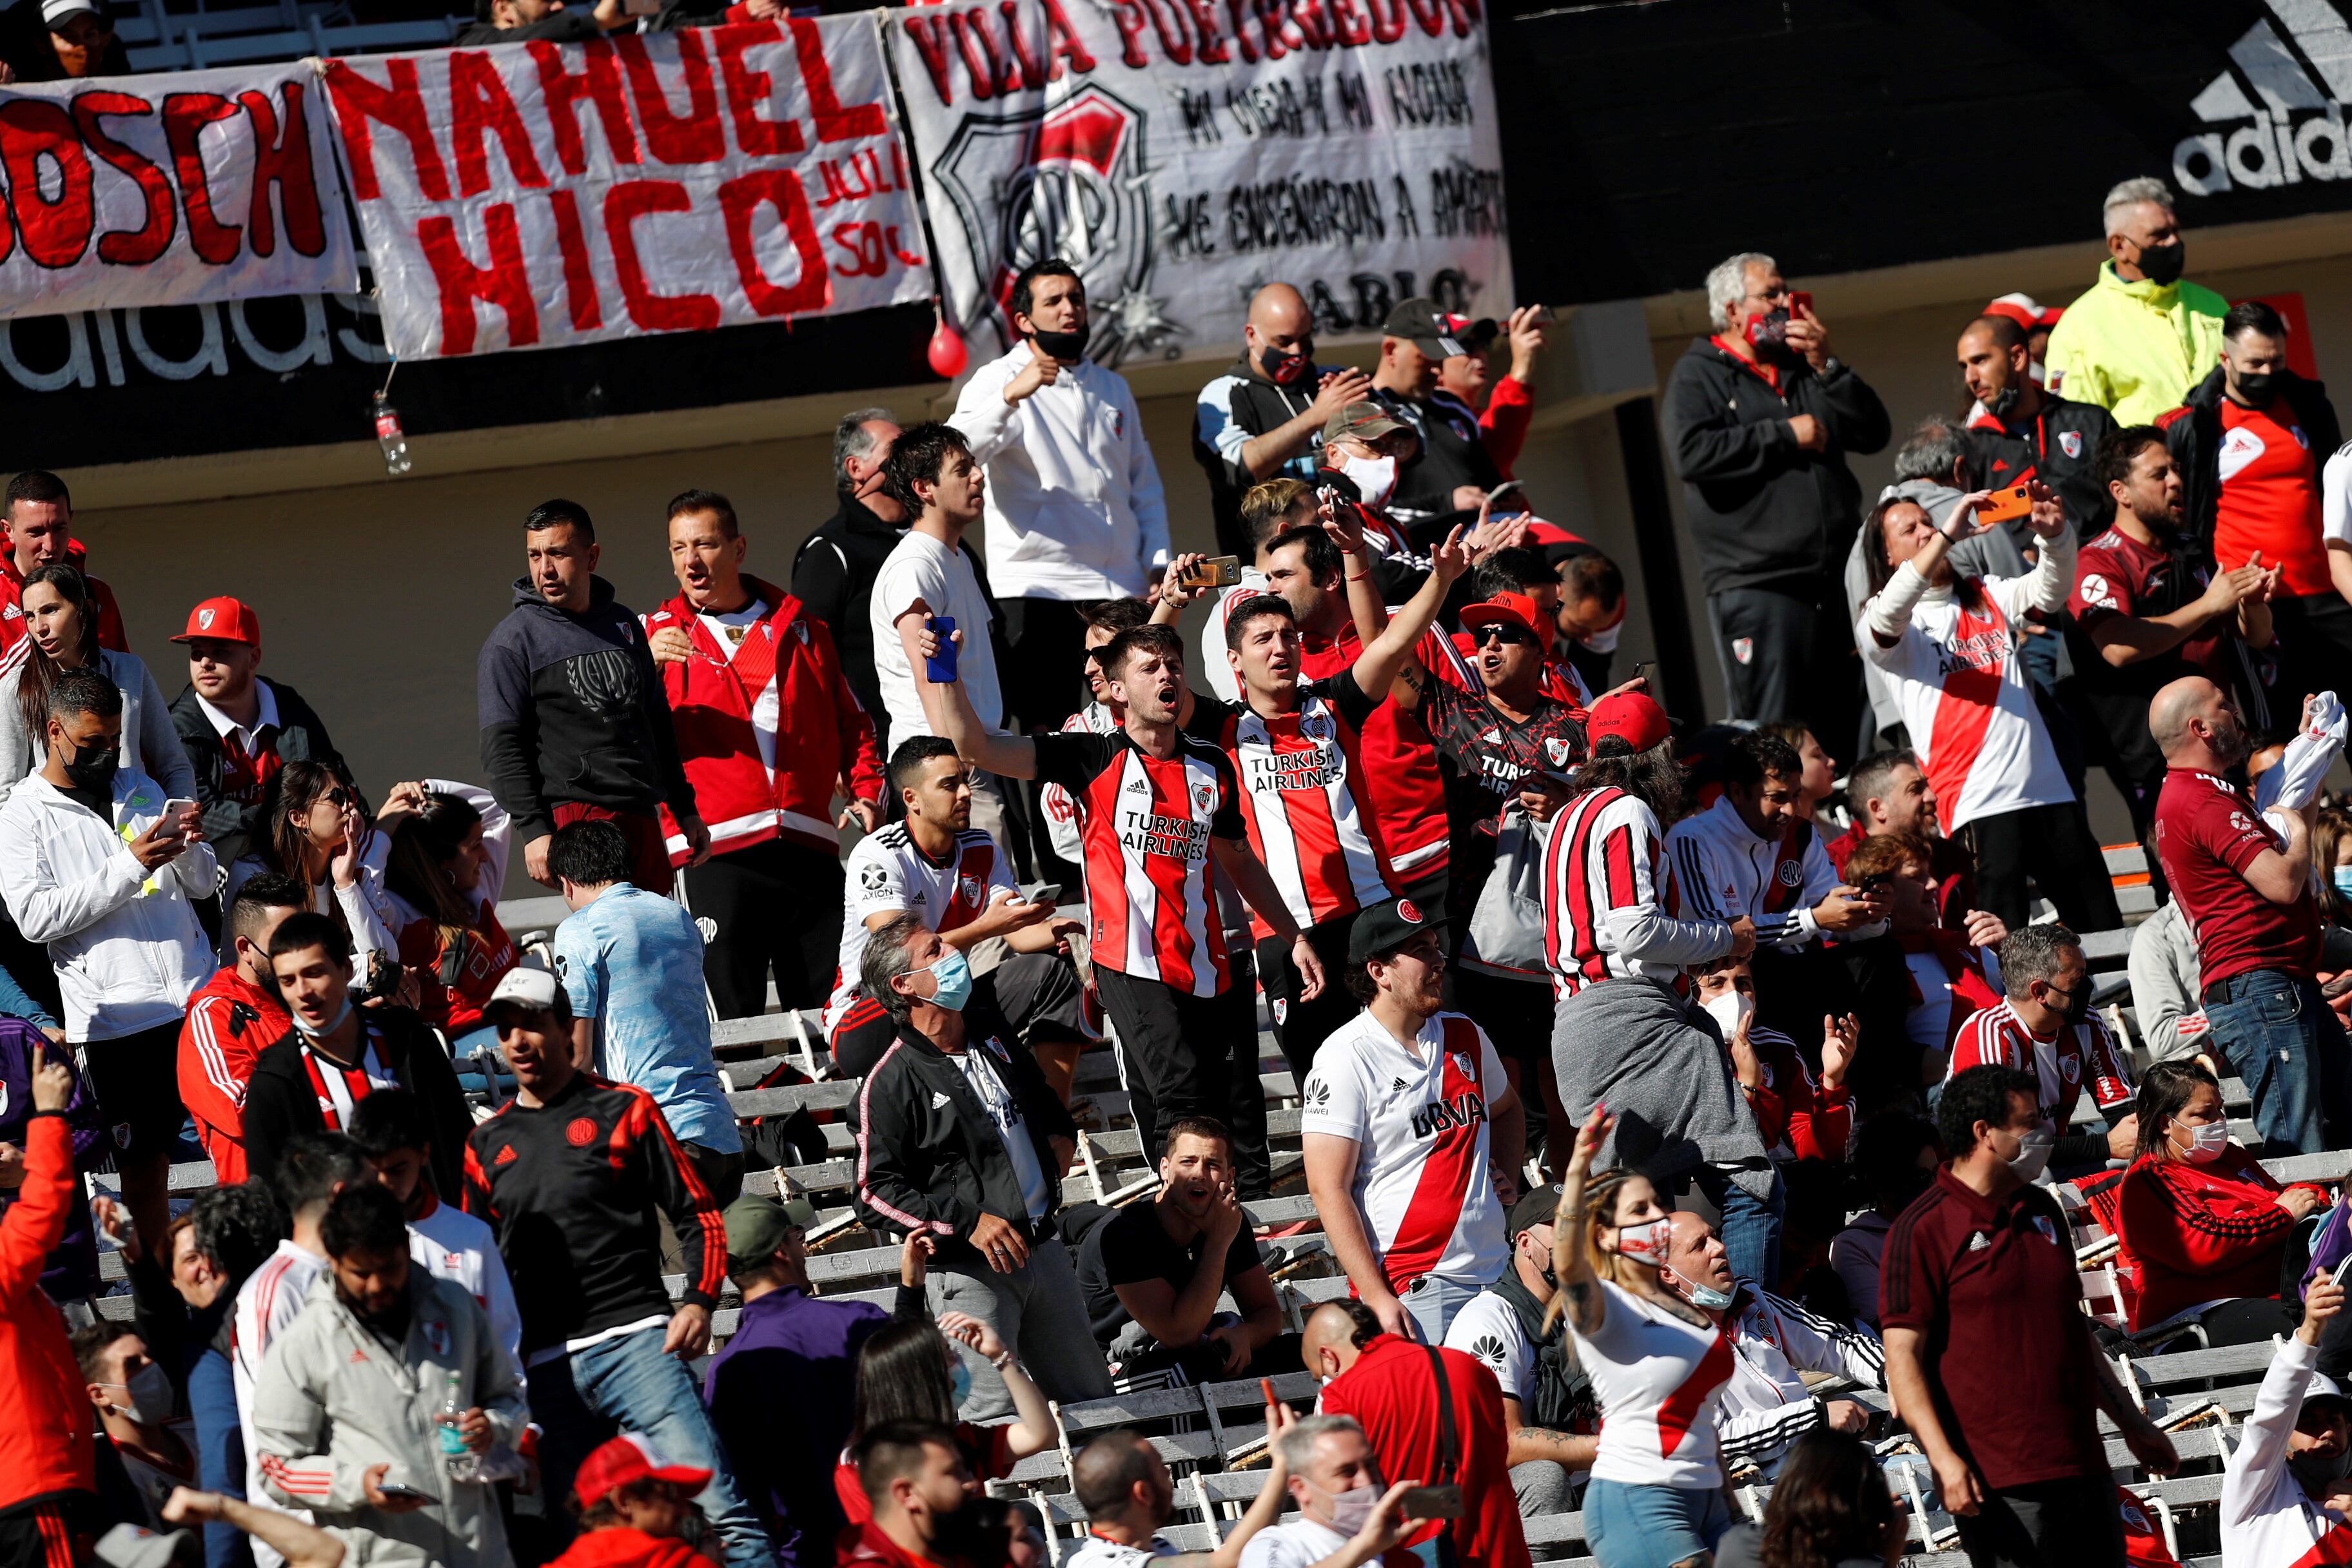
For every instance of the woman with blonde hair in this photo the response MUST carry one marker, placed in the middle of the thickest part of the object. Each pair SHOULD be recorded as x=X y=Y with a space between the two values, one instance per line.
x=1657 y=1363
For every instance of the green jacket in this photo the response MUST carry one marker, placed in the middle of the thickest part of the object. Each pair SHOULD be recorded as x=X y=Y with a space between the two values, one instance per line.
x=2134 y=348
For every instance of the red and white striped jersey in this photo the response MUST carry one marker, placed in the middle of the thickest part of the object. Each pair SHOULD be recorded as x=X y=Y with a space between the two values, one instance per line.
x=270 y=1297
x=340 y=1088
x=1146 y=825
x=1961 y=687
x=1612 y=905
x=888 y=872
x=1060 y=806
x=1301 y=774
x=1418 y=1119
x=2078 y=1056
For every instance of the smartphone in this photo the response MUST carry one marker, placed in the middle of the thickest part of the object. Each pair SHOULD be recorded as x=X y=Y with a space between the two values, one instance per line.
x=1499 y=492
x=1646 y=672
x=1543 y=316
x=401 y=1490
x=1430 y=1502
x=2002 y=505
x=173 y=806
x=1800 y=303
x=1051 y=893
x=940 y=667
x=1216 y=572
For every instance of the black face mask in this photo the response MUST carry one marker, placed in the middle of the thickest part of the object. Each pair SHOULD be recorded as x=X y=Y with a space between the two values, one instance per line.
x=93 y=767
x=2163 y=263
x=2004 y=400
x=1062 y=346
x=959 y=1534
x=2257 y=387
x=1287 y=369
x=2078 y=1001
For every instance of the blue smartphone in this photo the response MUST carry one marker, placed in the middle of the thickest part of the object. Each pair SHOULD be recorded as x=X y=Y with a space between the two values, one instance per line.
x=940 y=667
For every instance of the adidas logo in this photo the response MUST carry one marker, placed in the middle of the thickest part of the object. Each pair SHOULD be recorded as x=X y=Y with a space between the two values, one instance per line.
x=1138 y=786
x=505 y=1156
x=2298 y=65
x=1397 y=1084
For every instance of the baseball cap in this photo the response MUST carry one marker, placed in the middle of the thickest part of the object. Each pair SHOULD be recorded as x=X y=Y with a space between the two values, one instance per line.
x=57 y=13
x=526 y=986
x=757 y=1225
x=1386 y=927
x=1430 y=329
x=2025 y=311
x=2323 y=1387
x=1473 y=335
x=1360 y=421
x=1517 y=609
x=223 y=618
x=135 y=1546
x=1534 y=1208
x=1632 y=717
x=630 y=1458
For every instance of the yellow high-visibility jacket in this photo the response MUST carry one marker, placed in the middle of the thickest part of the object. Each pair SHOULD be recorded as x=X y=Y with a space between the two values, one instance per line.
x=2134 y=348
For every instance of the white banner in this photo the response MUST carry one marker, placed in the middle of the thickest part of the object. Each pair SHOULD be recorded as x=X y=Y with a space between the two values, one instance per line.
x=174 y=190
x=535 y=195
x=1182 y=152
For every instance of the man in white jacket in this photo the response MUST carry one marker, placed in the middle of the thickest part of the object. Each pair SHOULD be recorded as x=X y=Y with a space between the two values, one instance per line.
x=1074 y=511
x=93 y=866
x=2283 y=1489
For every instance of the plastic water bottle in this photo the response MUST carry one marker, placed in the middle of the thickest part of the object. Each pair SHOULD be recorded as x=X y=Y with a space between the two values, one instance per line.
x=390 y=439
x=455 y=1457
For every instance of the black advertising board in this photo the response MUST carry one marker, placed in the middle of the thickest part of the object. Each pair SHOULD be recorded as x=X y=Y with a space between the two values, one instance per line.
x=1644 y=143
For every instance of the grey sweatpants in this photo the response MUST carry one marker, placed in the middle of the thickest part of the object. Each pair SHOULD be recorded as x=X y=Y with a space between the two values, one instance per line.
x=1039 y=1314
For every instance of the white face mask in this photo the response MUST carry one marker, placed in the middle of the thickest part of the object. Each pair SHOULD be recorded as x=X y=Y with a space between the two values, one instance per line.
x=1375 y=479
x=1605 y=641
x=1351 y=1509
x=2206 y=1142
x=1729 y=1011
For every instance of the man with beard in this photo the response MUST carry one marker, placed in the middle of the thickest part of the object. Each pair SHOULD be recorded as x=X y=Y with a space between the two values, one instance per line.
x=2148 y=610
x=2018 y=432
x=1124 y=1486
x=2246 y=889
x=1265 y=415
x=340 y=1409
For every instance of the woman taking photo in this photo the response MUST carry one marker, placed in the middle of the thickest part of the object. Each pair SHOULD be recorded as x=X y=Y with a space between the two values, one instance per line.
x=317 y=835
x=448 y=861
x=909 y=1371
x=1657 y=1363
x=61 y=633
x=2203 y=1225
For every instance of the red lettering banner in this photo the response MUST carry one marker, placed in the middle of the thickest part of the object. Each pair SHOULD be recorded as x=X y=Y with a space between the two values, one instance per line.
x=534 y=195
x=169 y=190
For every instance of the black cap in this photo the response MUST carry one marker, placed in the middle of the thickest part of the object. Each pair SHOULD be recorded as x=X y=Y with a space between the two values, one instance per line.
x=1534 y=1208
x=1384 y=928
x=1428 y=327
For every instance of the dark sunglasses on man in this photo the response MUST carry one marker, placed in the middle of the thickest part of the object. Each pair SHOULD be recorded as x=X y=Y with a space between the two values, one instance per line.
x=1501 y=632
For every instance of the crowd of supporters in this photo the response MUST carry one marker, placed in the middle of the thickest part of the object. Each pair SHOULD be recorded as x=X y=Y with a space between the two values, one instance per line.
x=1648 y=1072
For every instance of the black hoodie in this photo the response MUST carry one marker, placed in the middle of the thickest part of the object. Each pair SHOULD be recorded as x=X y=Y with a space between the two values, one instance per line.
x=573 y=710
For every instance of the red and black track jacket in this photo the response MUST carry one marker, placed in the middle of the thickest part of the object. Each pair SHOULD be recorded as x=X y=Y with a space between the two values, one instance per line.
x=569 y=1188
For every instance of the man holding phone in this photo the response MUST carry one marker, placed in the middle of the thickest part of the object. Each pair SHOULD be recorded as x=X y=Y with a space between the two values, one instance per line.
x=92 y=866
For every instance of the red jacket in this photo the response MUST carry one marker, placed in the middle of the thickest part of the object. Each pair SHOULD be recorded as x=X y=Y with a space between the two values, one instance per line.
x=1407 y=795
x=866 y=1547
x=229 y=1020
x=12 y=594
x=2198 y=1232
x=621 y=1547
x=1392 y=1391
x=822 y=738
x=1792 y=1104
x=44 y=1406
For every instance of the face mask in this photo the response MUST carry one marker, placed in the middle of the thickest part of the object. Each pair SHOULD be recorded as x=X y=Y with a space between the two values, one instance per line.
x=2163 y=263
x=2342 y=876
x=2256 y=387
x=2078 y=1002
x=1604 y=641
x=1351 y=1511
x=321 y=1031
x=1645 y=1243
x=958 y=1534
x=1707 y=1298
x=1287 y=369
x=952 y=972
x=2004 y=400
x=1729 y=1011
x=2319 y=1473
x=1063 y=346
x=2206 y=1142
x=92 y=771
x=150 y=1396
x=1374 y=478
x=959 y=1384
x=2033 y=1154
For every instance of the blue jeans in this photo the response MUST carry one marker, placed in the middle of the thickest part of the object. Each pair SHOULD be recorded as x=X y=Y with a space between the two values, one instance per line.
x=2285 y=1042
x=220 y=1453
x=1751 y=1226
x=1630 y=1526
x=628 y=1385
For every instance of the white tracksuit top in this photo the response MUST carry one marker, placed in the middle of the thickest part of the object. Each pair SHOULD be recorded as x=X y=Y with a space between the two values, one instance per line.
x=2267 y=1522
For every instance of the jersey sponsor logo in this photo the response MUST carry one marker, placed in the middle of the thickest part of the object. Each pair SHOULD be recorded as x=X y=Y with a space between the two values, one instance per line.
x=1319 y=1093
x=1488 y=1348
x=1279 y=772
x=1397 y=1086
x=1137 y=787
x=1464 y=1110
x=2238 y=447
x=872 y=877
x=579 y=1131
x=2071 y=443
x=1174 y=837
x=1987 y=649
x=2095 y=590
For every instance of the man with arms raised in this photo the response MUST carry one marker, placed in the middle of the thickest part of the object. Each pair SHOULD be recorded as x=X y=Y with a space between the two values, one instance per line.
x=1158 y=806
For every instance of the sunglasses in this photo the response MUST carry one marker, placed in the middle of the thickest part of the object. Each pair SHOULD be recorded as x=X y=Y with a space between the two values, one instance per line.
x=337 y=796
x=1498 y=631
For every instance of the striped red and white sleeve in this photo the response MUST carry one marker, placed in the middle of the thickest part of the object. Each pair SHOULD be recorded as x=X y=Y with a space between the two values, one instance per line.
x=1980 y=1042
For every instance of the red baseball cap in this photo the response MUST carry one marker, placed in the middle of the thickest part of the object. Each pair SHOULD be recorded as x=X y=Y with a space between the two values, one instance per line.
x=2025 y=311
x=1517 y=609
x=225 y=619
x=1632 y=717
x=630 y=1458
